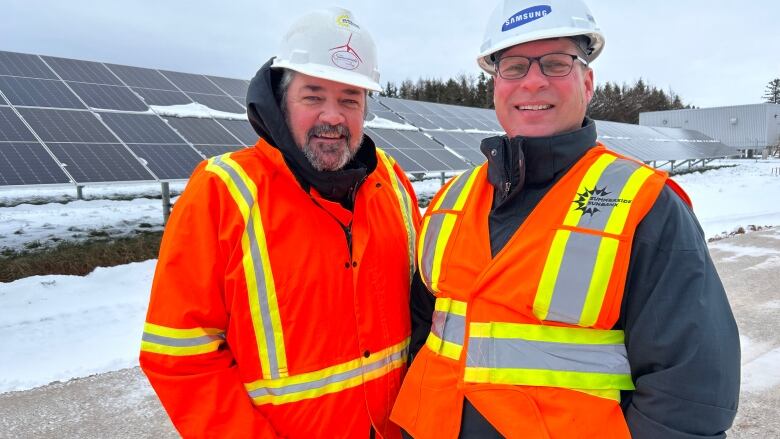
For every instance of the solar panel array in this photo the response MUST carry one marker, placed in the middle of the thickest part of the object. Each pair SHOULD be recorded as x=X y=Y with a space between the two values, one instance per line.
x=71 y=121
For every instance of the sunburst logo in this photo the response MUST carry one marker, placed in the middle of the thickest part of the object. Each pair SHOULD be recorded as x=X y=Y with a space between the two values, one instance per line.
x=585 y=196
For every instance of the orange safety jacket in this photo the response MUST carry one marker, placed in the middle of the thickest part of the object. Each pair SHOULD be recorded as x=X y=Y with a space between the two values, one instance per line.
x=262 y=321
x=526 y=336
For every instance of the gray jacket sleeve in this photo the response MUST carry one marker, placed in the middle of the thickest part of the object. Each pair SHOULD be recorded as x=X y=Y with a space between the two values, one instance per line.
x=681 y=337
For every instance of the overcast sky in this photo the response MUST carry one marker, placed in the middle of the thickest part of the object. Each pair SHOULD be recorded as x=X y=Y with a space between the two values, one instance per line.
x=712 y=53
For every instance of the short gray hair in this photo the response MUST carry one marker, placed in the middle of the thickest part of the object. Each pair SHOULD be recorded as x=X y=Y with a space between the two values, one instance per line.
x=284 y=85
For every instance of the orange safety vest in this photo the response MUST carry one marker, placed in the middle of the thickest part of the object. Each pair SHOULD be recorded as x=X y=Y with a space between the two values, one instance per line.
x=261 y=322
x=526 y=336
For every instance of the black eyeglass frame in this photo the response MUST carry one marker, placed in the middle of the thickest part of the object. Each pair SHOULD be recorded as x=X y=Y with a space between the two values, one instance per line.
x=538 y=60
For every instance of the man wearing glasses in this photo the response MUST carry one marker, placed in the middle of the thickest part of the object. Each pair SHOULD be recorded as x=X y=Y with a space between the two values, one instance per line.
x=565 y=290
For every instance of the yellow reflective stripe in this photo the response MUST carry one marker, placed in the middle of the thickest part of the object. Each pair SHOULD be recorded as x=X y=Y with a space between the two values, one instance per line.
x=552 y=265
x=166 y=331
x=446 y=304
x=443 y=347
x=617 y=220
x=443 y=194
x=448 y=224
x=464 y=194
x=589 y=181
x=404 y=201
x=325 y=381
x=180 y=351
x=613 y=394
x=602 y=272
x=253 y=220
x=556 y=334
x=421 y=245
x=180 y=342
x=548 y=378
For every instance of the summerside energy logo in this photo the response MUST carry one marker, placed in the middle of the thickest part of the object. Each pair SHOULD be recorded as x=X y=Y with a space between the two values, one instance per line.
x=591 y=200
x=345 y=56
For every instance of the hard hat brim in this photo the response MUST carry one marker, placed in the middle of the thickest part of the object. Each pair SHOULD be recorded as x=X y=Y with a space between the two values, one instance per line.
x=329 y=73
x=597 y=42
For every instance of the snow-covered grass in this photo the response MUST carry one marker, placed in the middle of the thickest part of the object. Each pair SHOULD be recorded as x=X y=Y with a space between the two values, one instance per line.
x=61 y=327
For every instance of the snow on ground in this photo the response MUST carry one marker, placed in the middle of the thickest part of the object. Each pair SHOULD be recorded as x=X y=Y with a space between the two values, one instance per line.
x=63 y=327
x=727 y=198
x=759 y=365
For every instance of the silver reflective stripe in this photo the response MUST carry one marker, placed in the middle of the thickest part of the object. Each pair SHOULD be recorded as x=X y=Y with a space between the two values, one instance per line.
x=335 y=378
x=455 y=189
x=436 y=220
x=406 y=204
x=435 y=223
x=262 y=294
x=449 y=327
x=499 y=353
x=181 y=342
x=613 y=180
x=573 y=282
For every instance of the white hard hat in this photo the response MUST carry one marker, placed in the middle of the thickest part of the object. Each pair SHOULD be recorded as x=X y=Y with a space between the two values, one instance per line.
x=520 y=21
x=329 y=44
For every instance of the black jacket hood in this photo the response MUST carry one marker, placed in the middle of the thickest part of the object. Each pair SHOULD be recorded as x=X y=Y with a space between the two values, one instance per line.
x=265 y=114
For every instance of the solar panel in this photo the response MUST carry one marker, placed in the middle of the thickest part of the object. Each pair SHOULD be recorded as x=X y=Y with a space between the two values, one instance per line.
x=141 y=77
x=98 y=162
x=230 y=86
x=242 y=129
x=375 y=109
x=240 y=99
x=168 y=162
x=28 y=164
x=66 y=125
x=189 y=82
x=202 y=131
x=38 y=93
x=215 y=150
x=162 y=97
x=465 y=144
x=217 y=102
x=140 y=128
x=412 y=144
x=108 y=97
x=22 y=64
x=434 y=149
x=654 y=143
x=406 y=163
x=81 y=71
x=12 y=129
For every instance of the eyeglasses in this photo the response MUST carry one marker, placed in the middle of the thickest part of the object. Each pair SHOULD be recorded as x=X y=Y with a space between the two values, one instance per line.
x=551 y=64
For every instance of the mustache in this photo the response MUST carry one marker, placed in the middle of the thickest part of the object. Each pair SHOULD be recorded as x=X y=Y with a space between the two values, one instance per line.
x=327 y=129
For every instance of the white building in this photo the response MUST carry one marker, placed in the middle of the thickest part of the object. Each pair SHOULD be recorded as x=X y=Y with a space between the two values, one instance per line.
x=748 y=127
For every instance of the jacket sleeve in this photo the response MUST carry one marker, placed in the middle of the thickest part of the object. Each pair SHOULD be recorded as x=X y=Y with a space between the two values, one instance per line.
x=681 y=337
x=183 y=352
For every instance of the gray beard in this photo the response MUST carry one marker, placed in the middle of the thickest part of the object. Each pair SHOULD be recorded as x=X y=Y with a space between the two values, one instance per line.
x=318 y=157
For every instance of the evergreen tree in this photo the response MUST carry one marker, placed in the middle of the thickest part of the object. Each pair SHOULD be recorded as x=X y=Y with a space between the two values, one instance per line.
x=772 y=92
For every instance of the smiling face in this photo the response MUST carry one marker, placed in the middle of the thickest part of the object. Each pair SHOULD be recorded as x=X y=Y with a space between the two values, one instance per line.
x=537 y=105
x=325 y=119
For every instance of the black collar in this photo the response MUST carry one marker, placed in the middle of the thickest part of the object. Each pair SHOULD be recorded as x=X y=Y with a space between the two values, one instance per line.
x=519 y=161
